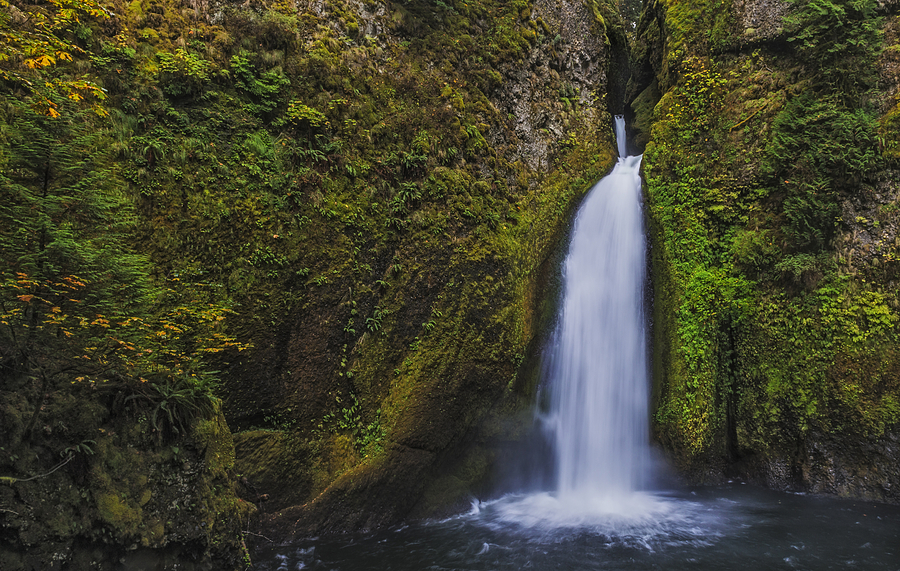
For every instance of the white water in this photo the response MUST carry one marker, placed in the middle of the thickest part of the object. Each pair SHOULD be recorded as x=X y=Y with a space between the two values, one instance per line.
x=733 y=527
x=596 y=367
x=598 y=362
x=599 y=517
x=621 y=140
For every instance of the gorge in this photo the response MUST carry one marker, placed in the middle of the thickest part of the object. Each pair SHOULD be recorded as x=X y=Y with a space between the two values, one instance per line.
x=601 y=509
x=273 y=270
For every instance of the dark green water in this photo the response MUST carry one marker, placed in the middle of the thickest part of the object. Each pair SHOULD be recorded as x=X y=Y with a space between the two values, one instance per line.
x=732 y=527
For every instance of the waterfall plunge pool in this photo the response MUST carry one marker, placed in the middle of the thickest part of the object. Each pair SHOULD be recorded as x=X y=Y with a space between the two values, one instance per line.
x=730 y=527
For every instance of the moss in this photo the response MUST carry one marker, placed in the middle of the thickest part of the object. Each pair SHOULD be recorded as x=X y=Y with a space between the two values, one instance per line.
x=313 y=182
x=704 y=26
x=642 y=107
x=212 y=436
x=279 y=463
x=340 y=455
x=755 y=325
x=118 y=487
x=890 y=133
x=119 y=513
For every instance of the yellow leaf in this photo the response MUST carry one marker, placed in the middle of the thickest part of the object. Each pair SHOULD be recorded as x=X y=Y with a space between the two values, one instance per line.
x=40 y=61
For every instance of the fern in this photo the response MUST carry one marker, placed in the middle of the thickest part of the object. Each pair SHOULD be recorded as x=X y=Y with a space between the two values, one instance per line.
x=842 y=40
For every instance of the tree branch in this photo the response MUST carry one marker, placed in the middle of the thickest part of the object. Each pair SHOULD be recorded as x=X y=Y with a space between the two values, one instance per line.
x=10 y=480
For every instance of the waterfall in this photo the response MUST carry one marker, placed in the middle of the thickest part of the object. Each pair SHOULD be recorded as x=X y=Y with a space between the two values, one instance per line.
x=621 y=141
x=596 y=372
x=597 y=361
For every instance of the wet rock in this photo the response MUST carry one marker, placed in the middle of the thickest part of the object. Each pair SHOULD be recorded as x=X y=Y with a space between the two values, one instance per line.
x=760 y=19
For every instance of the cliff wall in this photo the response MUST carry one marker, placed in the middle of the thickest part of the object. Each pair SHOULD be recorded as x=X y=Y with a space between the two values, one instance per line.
x=771 y=181
x=334 y=216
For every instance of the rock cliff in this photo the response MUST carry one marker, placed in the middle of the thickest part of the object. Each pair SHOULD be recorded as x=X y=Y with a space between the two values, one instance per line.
x=770 y=172
x=335 y=216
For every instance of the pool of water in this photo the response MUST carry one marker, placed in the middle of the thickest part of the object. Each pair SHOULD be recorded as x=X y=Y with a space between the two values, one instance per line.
x=730 y=527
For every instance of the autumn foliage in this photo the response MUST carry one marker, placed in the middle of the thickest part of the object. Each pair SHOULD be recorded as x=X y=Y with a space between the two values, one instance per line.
x=35 y=45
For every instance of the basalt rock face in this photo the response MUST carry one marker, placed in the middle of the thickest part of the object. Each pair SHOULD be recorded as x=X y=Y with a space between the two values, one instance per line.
x=864 y=468
x=775 y=245
x=570 y=73
x=760 y=19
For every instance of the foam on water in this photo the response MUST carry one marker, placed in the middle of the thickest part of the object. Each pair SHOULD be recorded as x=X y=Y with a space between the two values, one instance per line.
x=600 y=514
x=641 y=520
x=733 y=527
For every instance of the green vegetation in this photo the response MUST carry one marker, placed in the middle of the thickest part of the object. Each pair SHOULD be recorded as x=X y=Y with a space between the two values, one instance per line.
x=843 y=40
x=38 y=42
x=77 y=302
x=337 y=221
x=704 y=25
x=367 y=437
x=820 y=149
x=320 y=218
x=772 y=324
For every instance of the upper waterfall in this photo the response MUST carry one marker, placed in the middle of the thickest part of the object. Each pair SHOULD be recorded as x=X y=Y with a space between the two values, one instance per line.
x=621 y=139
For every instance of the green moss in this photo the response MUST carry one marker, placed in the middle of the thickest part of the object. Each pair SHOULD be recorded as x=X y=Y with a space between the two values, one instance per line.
x=118 y=512
x=889 y=132
x=281 y=462
x=757 y=314
x=357 y=198
x=212 y=436
x=643 y=107
x=697 y=26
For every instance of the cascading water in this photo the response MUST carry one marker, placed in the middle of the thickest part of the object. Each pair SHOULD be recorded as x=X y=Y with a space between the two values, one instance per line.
x=621 y=139
x=598 y=358
x=596 y=369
